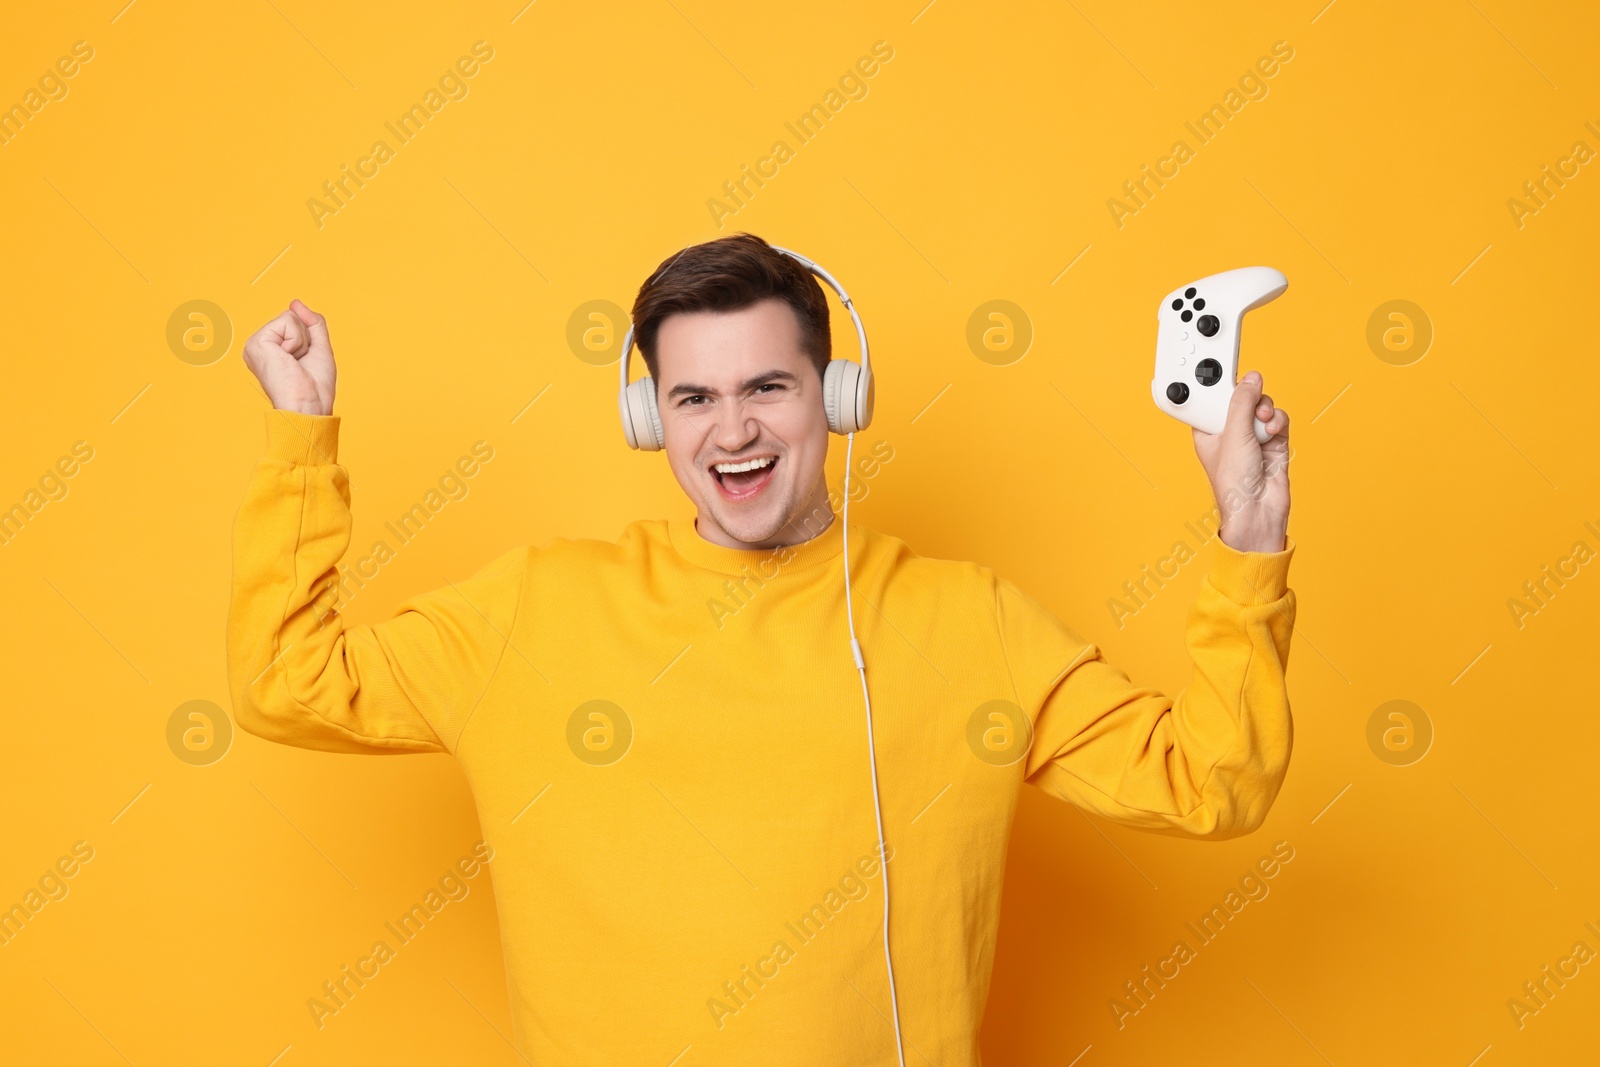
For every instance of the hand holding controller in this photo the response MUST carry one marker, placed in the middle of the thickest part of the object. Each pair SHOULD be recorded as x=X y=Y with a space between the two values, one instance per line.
x=1197 y=345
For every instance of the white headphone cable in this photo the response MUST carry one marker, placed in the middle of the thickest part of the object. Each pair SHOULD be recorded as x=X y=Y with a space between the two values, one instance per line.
x=872 y=753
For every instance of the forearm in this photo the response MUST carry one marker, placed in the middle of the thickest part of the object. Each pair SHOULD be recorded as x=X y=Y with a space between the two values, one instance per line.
x=1234 y=717
x=1254 y=529
x=1208 y=763
x=290 y=670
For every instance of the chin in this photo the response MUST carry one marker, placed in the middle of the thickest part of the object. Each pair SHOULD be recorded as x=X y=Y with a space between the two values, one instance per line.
x=751 y=506
x=751 y=529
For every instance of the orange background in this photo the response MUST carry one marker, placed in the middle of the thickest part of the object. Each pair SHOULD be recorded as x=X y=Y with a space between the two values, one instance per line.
x=978 y=167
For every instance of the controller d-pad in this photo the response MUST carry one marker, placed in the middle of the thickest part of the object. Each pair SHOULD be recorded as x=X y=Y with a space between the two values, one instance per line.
x=1206 y=372
x=1177 y=392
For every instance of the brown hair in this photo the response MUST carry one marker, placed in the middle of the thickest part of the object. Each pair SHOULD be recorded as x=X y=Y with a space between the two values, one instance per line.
x=728 y=274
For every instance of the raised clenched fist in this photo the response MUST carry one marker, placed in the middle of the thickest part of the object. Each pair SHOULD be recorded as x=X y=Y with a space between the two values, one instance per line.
x=292 y=358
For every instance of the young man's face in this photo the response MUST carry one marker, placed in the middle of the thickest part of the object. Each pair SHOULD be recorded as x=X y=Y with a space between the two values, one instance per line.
x=736 y=387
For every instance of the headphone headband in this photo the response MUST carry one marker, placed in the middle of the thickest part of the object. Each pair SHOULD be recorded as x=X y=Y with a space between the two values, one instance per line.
x=832 y=282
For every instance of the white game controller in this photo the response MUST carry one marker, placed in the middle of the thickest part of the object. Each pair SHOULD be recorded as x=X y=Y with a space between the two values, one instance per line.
x=1197 y=346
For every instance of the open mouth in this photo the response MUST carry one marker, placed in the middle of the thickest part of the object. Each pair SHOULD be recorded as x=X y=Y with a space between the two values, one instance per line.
x=742 y=480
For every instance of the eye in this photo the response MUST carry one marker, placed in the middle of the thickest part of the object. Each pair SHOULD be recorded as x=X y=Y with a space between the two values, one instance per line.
x=769 y=385
x=692 y=401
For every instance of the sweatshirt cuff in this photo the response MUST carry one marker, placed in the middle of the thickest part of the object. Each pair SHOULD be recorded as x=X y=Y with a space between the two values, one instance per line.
x=1250 y=578
x=303 y=440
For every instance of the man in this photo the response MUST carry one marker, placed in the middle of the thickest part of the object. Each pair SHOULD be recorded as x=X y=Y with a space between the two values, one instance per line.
x=700 y=874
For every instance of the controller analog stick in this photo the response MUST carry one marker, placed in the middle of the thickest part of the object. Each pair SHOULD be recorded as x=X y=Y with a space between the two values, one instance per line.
x=1208 y=325
x=1177 y=392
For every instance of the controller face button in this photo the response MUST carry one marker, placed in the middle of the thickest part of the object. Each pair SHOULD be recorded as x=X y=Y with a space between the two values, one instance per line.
x=1177 y=392
x=1208 y=324
x=1200 y=305
x=1189 y=292
x=1178 y=303
x=1187 y=315
x=1208 y=372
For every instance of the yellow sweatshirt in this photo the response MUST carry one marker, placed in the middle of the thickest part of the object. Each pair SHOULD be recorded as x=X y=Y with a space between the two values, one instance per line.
x=666 y=742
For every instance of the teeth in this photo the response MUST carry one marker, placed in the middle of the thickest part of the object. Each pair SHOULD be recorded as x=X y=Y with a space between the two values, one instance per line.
x=748 y=465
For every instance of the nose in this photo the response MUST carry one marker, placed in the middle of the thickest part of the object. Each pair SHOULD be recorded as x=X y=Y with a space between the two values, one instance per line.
x=734 y=429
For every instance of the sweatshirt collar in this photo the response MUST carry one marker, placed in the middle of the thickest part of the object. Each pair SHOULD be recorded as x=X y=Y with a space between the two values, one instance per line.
x=688 y=543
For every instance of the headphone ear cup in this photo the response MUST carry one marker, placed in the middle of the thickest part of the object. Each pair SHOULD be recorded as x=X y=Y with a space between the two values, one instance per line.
x=836 y=387
x=865 y=397
x=847 y=396
x=641 y=423
x=655 y=416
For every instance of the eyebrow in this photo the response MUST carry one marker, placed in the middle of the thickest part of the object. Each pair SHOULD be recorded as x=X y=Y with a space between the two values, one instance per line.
x=690 y=389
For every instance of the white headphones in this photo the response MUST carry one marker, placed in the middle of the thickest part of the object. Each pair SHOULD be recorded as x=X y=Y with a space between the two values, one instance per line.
x=846 y=386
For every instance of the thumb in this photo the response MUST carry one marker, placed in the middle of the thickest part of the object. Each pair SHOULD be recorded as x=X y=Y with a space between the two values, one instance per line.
x=1242 y=407
x=316 y=325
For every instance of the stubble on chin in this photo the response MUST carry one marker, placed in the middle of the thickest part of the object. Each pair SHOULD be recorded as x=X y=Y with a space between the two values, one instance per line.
x=752 y=534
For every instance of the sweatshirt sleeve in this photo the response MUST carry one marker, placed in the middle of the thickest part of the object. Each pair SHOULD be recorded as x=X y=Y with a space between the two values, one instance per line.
x=298 y=674
x=1206 y=763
